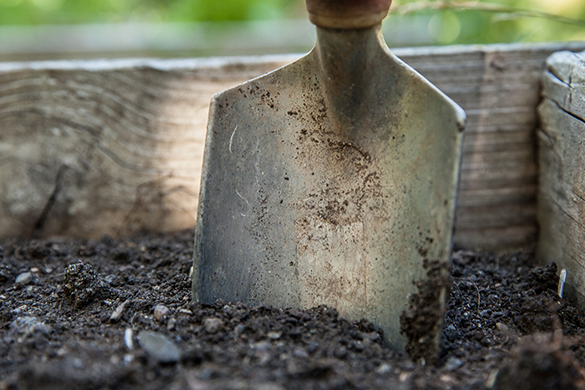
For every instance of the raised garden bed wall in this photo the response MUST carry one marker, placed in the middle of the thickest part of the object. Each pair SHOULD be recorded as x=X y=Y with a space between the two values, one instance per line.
x=115 y=147
x=561 y=196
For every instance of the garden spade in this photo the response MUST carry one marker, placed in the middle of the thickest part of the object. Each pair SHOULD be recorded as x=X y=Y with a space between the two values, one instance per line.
x=332 y=181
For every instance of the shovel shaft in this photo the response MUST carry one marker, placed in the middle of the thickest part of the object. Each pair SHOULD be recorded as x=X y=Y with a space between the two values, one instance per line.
x=347 y=14
x=349 y=73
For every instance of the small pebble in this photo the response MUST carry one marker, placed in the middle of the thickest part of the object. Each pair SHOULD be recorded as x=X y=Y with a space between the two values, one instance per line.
x=212 y=325
x=300 y=353
x=453 y=363
x=159 y=347
x=502 y=327
x=161 y=312
x=24 y=278
x=30 y=291
x=449 y=379
x=77 y=363
x=274 y=335
x=384 y=368
x=171 y=324
x=263 y=346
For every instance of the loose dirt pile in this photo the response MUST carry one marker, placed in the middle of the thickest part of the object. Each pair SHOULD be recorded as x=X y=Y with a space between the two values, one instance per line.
x=117 y=314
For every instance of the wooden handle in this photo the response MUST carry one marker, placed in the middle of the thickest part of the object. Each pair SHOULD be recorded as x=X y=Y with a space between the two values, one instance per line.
x=347 y=14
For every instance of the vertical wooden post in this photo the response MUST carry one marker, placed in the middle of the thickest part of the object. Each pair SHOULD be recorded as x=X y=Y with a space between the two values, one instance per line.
x=561 y=198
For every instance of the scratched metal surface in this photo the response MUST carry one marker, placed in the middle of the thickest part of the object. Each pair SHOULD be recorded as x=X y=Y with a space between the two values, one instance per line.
x=328 y=181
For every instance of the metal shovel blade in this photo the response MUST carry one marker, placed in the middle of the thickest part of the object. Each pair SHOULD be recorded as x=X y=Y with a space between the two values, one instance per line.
x=332 y=181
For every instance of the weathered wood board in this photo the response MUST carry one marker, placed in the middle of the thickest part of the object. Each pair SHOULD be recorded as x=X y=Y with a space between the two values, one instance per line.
x=112 y=147
x=561 y=196
x=115 y=147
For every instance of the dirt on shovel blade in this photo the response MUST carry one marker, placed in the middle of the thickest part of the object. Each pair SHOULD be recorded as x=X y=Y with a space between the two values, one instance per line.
x=117 y=314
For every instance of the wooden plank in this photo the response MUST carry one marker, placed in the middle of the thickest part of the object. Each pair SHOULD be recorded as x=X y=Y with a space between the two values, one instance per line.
x=523 y=193
x=499 y=239
x=499 y=87
x=88 y=148
x=107 y=147
x=561 y=196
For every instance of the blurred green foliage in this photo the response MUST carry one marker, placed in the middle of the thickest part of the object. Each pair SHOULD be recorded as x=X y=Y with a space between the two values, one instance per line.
x=450 y=25
x=510 y=20
x=99 y=11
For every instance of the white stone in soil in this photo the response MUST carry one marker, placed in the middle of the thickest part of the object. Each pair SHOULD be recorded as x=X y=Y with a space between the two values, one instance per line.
x=161 y=312
x=24 y=278
x=159 y=347
x=128 y=338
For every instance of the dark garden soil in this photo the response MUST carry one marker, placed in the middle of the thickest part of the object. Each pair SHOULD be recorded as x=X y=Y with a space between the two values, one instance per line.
x=117 y=314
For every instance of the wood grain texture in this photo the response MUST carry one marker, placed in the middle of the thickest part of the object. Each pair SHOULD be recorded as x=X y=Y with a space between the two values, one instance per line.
x=106 y=147
x=115 y=147
x=561 y=196
x=499 y=88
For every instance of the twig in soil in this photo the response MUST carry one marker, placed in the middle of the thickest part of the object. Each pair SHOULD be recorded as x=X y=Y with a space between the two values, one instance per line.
x=119 y=311
x=478 y=294
x=132 y=321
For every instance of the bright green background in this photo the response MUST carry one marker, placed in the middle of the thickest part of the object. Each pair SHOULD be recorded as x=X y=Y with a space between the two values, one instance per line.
x=449 y=26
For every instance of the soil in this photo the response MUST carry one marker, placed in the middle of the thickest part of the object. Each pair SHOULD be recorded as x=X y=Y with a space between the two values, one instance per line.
x=117 y=314
x=421 y=322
